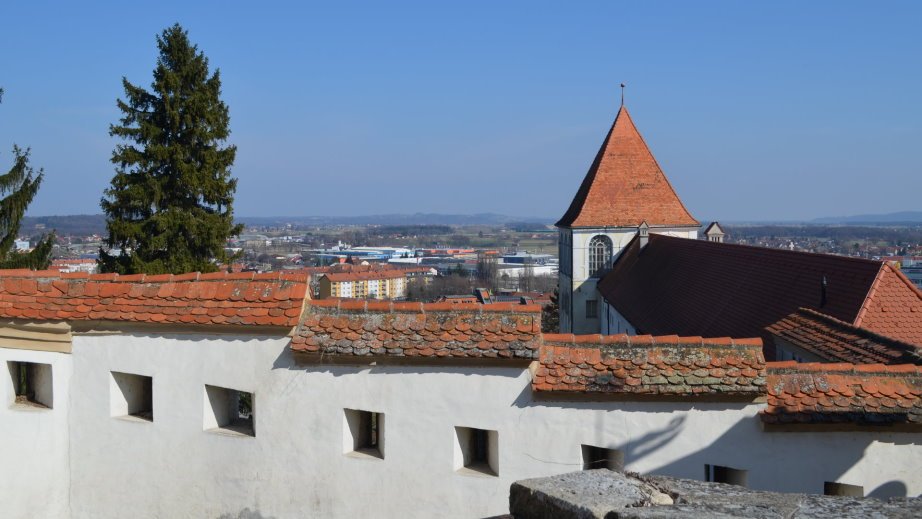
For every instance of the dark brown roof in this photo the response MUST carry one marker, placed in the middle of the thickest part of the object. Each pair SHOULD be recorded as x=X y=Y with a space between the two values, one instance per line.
x=696 y=287
x=838 y=341
x=625 y=186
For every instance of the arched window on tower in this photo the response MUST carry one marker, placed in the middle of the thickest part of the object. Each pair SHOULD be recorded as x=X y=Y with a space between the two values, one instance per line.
x=599 y=255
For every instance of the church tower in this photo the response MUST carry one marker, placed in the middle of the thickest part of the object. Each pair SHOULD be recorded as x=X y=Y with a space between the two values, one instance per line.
x=623 y=190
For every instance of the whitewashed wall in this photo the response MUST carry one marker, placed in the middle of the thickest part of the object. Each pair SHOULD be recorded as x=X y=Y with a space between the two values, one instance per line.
x=295 y=466
x=34 y=458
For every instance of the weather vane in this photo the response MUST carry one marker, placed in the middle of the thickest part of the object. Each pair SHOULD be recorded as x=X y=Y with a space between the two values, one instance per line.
x=622 y=94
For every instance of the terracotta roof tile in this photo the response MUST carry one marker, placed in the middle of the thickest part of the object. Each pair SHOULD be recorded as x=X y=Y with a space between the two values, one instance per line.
x=218 y=298
x=645 y=365
x=625 y=186
x=360 y=328
x=819 y=393
x=838 y=341
x=893 y=307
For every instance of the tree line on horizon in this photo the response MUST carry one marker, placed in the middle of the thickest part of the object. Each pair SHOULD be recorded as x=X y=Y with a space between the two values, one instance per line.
x=169 y=208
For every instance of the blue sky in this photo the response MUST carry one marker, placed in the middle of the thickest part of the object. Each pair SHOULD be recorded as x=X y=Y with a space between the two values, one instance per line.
x=756 y=111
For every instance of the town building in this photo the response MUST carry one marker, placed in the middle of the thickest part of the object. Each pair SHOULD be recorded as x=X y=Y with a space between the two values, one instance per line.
x=623 y=190
x=630 y=263
x=372 y=284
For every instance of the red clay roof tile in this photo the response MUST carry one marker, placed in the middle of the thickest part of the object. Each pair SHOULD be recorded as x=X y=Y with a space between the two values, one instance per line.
x=818 y=393
x=625 y=186
x=835 y=340
x=185 y=298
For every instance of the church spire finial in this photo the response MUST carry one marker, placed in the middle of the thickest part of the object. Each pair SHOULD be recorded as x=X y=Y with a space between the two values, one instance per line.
x=622 y=94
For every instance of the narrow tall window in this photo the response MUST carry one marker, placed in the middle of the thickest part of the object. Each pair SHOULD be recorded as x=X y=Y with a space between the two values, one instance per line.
x=600 y=248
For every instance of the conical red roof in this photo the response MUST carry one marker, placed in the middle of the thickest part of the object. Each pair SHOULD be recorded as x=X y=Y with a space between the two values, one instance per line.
x=625 y=186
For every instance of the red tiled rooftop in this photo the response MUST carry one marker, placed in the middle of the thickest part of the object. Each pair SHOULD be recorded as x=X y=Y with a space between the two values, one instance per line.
x=625 y=186
x=272 y=299
x=653 y=366
x=367 y=328
x=838 y=341
x=893 y=307
x=819 y=393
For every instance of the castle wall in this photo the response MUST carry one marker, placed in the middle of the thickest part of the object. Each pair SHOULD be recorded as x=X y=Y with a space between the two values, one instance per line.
x=34 y=441
x=295 y=465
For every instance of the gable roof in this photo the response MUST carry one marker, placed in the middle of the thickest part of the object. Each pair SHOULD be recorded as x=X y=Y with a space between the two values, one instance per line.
x=696 y=287
x=625 y=186
x=839 y=341
x=893 y=307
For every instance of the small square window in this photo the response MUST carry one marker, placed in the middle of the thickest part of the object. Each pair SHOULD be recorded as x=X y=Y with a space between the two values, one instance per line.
x=592 y=309
x=476 y=451
x=363 y=433
x=32 y=385
x=731 y=476
x=831 y=488
x=602 y=458
x=131 y=396
x=229 y=411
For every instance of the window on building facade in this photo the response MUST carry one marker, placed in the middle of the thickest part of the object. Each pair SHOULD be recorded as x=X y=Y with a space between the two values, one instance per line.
x=592 y=309
x=229 y=411
x=364 y=433
x=731 y=476
x=600 y=250
x=131 y=396
x=476 y=451
x=32 y=384
x=602 y=458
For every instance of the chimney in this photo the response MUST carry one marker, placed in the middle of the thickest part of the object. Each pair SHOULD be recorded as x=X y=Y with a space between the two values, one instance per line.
x=643 y=231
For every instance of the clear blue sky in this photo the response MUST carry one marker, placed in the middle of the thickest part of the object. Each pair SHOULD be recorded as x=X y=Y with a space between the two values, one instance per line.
x=755 y=110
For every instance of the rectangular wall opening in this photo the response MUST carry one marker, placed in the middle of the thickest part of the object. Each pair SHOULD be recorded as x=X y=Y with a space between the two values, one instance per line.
x=728 y=475
x=229 y=411
x=363 y=433
x=602 y=458
x=131 y=396
x=476 y=451
x=32 y=385
x=831 y=488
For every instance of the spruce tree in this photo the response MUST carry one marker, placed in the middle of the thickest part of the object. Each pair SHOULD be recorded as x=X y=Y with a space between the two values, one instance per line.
x=170 y=206
x=18 y=187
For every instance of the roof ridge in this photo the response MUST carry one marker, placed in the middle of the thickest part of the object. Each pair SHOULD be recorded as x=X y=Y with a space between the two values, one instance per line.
x=705 y=243
x=843 y=367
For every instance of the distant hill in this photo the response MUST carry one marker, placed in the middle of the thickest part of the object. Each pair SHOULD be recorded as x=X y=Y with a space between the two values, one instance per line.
x=899 y=218
x=87 y=224
x=69 y=225
x=395 y=219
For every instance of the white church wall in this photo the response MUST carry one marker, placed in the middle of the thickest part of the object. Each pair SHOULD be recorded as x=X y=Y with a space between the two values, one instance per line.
x=34 y=440
x=295 y=465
